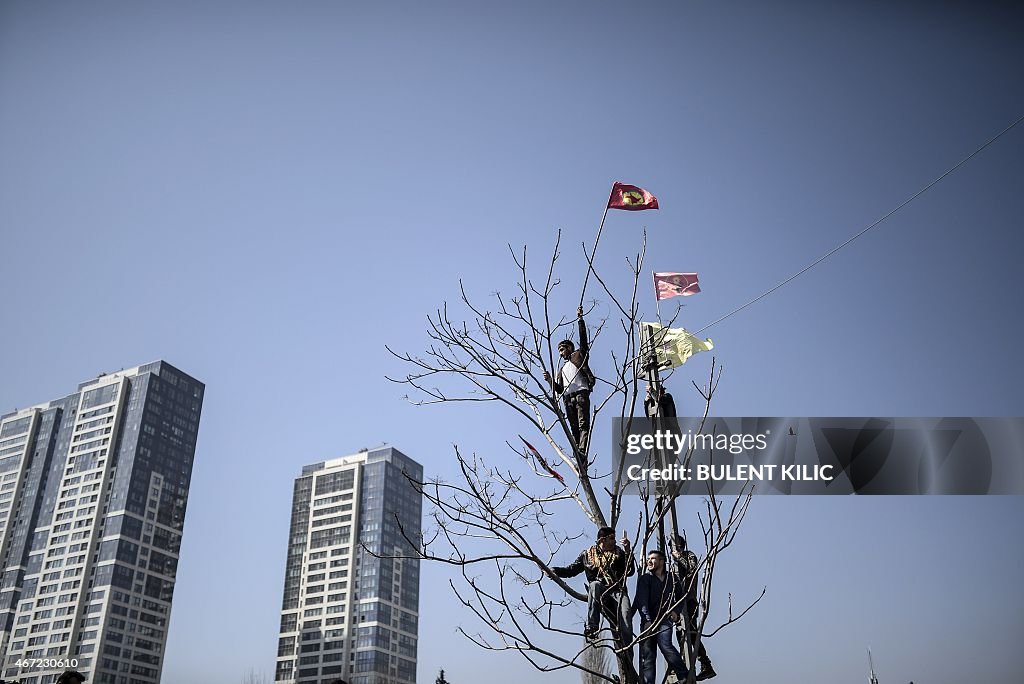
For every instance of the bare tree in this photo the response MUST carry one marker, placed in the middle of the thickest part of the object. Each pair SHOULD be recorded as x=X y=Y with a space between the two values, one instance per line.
x=499 y=525
x=252 y=676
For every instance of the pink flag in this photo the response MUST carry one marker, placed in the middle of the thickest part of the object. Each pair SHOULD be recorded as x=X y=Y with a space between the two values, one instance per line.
x=631 y=198
x=675 y=284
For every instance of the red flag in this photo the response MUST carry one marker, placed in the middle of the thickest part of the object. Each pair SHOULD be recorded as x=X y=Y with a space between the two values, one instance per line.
x=631 y=197
x=675 y=284
x=543 y=463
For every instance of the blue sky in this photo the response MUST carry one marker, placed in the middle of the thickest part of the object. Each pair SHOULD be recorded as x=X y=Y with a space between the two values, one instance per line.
x=266 y=194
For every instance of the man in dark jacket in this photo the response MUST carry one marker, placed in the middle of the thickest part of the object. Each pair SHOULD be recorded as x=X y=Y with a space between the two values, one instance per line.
x=686 y=570
x=665 y=405
x=574 y=383
x=659 y=597
x=606 y=566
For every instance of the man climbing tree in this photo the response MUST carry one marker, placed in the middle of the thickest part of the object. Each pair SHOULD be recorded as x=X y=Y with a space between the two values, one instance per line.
x=686 y=566
x=574 y=384
x=606 y=566
x=657 y=594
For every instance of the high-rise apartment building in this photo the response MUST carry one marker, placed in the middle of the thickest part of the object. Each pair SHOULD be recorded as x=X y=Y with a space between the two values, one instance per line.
x=93 y=489
x=351 y=590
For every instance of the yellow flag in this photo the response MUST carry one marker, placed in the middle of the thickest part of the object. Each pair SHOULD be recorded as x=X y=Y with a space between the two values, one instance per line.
x=674 y=345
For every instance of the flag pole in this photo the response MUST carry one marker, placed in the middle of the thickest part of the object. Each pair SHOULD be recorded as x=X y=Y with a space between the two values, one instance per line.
x=666 y=499
x=590 y=263
x=657 y=299
x=654 y=389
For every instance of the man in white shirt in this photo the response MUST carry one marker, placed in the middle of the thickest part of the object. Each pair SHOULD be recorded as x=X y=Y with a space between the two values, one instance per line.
x=574 y=383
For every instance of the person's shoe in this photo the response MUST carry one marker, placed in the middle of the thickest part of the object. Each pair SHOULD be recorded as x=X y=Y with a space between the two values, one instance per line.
x=706 y=671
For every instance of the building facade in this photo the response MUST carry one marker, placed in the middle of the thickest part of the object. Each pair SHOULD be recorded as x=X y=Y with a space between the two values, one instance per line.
x=93 y=489
x=351 y=590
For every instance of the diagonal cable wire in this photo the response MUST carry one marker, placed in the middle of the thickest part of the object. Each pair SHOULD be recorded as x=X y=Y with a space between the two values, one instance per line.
x=826 y=256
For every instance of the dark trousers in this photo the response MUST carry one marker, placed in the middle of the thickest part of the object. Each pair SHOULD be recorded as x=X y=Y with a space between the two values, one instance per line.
x=691 y=608
x=577 y=414
x=661 y=640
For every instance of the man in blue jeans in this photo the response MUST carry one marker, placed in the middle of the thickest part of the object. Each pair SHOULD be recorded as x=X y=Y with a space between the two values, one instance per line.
x=659 y=599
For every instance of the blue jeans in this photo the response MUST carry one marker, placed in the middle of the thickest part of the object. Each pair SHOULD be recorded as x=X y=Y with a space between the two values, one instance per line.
x=660 y=640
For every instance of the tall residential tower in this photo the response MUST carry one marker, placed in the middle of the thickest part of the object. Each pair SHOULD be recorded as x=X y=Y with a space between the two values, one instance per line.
x=351 y=601
x=93 y=489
